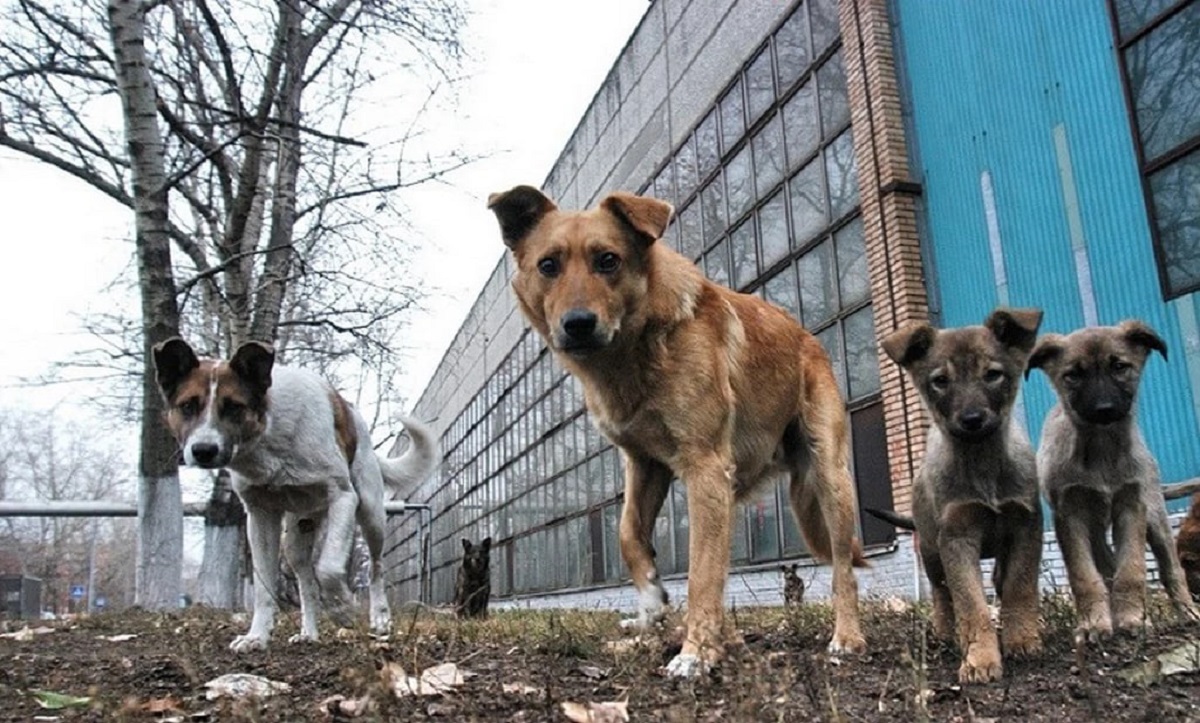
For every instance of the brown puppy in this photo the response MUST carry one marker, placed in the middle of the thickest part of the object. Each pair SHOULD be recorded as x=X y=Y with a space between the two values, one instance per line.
x=1097 y=472
x=976 y=493
x=689 y=380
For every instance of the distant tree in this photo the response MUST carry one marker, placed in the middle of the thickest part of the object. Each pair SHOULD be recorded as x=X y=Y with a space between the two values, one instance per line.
x=49 y=458
x=267 y=204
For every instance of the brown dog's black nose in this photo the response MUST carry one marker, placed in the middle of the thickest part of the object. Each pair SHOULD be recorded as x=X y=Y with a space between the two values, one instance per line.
x=1106 y=412
x=971 y=420
x=205 y=453
x=579 y=324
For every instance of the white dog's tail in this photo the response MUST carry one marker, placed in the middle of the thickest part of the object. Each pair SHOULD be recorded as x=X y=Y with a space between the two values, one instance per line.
x=404 y=473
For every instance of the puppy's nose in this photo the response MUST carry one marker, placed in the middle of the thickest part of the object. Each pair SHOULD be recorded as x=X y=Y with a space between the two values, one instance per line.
x=971 y=420
x=579 y=323
x=205 y=452
x=1106 y=412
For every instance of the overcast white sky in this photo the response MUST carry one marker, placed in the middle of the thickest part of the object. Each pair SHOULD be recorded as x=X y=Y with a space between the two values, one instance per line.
x=534 y=66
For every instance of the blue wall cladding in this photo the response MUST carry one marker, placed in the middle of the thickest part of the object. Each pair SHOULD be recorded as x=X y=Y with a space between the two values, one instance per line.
x=1032 y=190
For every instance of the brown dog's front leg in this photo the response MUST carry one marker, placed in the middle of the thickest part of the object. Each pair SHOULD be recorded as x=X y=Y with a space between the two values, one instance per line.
x=1129 y=538
x=960 y=542
x=646 y=486
x=1019 y=629
x=710 y=515
x=1078 y=517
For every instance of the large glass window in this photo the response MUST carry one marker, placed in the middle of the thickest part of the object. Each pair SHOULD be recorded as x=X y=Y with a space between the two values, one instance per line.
x=1159 y=44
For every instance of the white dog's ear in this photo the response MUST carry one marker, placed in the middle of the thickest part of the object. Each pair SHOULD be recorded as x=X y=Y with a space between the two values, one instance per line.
x=909 y=344
x=253 y=362
x=519 y=210
x=647 y=217
x=174 y=360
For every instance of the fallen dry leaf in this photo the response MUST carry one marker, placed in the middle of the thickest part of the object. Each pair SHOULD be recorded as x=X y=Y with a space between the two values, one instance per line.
x=1182 y=659
x=117 y=638
x=594 y=672
x=242 y=685
x=343 y=707
x=161 y=705
x=521 y=689
x=26 y=634
x=437 y=680
x=610 y=712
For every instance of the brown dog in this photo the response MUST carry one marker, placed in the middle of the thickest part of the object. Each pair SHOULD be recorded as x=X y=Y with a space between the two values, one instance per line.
x=1097 y=472
x=1187 y=546
x=976 y=494
x=689 y=380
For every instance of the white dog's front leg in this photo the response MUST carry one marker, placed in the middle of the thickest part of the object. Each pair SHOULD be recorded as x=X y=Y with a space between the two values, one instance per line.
x=335 y=555
x=262 y=531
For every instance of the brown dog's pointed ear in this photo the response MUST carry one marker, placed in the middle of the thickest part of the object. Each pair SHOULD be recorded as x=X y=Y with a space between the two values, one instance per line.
x=252 y=362
x=647 y=217
x=1140 y=333
x=909 y=344
x=519 y=210
x=173 y=361
x=1048 y=349
x=1015 y=328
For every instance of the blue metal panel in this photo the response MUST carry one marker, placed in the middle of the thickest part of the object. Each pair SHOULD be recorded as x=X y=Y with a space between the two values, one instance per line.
x=1028 y=93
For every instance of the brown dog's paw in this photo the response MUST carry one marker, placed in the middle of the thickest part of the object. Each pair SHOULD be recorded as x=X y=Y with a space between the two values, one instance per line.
x=846 y=644
x=982 y=665
x=1027 y=646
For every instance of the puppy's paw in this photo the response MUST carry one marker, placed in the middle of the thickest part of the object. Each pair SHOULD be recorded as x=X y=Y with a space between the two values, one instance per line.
x=982 y=665
x=248 y=642
x=1094 y=626
x=1132 y=621
x=381 y=625
x=687 y=665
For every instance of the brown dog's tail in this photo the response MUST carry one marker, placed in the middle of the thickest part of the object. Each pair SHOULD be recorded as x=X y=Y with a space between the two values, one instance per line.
x=904 y=523
x=816 y=532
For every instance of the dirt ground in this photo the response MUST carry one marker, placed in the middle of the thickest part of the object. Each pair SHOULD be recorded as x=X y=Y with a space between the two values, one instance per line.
x=521 y=666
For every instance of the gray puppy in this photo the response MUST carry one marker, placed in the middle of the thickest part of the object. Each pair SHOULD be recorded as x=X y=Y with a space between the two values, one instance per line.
x=976 y=494
x=1097 y=473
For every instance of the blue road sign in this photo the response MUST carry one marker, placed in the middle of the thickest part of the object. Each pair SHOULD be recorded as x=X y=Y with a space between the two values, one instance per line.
x=77 y=592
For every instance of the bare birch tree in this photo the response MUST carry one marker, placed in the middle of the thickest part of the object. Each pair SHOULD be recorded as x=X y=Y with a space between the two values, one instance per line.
x=260 y=210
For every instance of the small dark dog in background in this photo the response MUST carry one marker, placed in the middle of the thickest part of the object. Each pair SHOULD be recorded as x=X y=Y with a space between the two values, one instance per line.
x=474 y=580
x=793 y=586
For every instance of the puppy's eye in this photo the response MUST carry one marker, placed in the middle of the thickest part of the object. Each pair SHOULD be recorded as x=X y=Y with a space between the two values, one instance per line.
x=190 y=407
x=939 y=382
x=1072 y=376
x=606 y=263
x=231 y=409
x=993 y=376
x=549 y=267
x=1119 y=365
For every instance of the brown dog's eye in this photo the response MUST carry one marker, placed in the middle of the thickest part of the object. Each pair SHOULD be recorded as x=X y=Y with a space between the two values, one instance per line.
x=190 y=408
x=1120 y=365
x=939 y=382
x=1072 y=376
x=606 y=263
x=548 y=267
x=993 y=376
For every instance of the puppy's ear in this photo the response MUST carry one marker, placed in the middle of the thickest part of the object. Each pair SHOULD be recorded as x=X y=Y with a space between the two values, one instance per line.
x=1140 y=334
x=909 y=344
x=519 y=210
x=252 y=362
x=783 y=569
x=1015 y=328
x=173 y=361
x=646 y=217
x=1049 y=348
x=466 y=545
x=487 y=544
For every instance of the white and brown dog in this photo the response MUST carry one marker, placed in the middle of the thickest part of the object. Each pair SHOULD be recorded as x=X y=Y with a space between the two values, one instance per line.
x=302 y=464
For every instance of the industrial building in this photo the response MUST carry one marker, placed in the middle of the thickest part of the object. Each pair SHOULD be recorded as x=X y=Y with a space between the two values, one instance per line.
x=861 y=164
